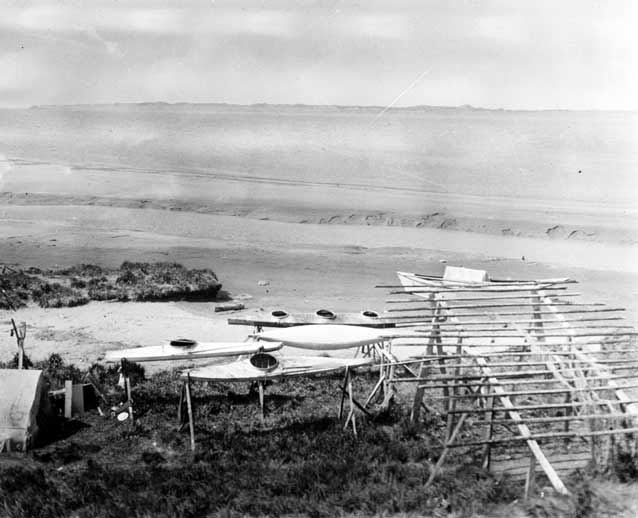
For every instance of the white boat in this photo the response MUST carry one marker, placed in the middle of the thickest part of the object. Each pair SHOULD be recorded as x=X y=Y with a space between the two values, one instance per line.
x=326 y=337
x=466 y=277
x=189 y=350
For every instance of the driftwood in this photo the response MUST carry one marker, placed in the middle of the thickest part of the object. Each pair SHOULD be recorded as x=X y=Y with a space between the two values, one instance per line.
x=229 y=307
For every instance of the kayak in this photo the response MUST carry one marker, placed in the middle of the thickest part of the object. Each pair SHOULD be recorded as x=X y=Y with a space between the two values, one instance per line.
x=327 y=337
x=189 y=350
x=263 y=366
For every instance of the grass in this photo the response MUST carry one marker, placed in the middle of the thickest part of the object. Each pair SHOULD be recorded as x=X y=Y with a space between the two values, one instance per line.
x=299 y=462
x=85 y=282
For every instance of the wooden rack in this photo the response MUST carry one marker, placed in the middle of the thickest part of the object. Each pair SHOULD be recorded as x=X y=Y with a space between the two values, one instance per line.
x=486 y=345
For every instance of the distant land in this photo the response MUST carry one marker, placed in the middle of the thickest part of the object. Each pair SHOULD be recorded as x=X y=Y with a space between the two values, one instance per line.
x=162 y=105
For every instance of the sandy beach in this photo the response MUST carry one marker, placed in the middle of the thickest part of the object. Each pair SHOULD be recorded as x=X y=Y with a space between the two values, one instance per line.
x=319 y=239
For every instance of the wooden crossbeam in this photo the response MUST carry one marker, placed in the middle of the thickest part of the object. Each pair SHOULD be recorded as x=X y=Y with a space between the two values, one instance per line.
x=518 y=313
x=544 y=406
x=411 y=290
x=533 y=381
x=501 y=305
x=419 y=300
x=543 y=392
x=462 y=323
x=543 y=436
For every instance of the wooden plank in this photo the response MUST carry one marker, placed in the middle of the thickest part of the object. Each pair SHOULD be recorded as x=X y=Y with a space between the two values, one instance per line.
x=450 y=364
x=517 y=313
x=189 y=406
x=419 y=300
x=577 y=417
x=501 y=305
x=599 y=337
x=532 y=381
x=411 y=290
x=548 y=435
x=68 y=399
x=499 y=355
x=519 y=344
x=538 y=392
x=461 y=323
x=544 y=406
x=270 y=319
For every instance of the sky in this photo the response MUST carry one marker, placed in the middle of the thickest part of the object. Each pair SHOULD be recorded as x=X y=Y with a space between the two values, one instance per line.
x=523 y=54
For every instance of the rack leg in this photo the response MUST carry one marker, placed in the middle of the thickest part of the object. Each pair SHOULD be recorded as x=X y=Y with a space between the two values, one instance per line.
x=189 y=405
x=180 y=405
x=487 y=450
x=261 y=399
x=531 y=477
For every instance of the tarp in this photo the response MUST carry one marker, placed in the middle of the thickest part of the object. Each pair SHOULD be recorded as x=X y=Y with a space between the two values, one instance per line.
x=23 y=401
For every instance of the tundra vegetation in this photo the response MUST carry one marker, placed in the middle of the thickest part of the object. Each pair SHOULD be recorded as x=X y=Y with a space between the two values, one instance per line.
x=80 y=284
x=298 y=462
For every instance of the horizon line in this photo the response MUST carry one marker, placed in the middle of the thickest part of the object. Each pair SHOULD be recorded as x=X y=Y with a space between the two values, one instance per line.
x=305 y=105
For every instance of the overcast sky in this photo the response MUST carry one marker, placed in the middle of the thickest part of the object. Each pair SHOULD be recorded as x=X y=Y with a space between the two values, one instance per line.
x=577 y=54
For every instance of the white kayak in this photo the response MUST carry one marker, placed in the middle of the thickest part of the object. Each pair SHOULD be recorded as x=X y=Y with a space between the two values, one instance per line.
x=267 y=366
x=189 y=350
x=322 y=337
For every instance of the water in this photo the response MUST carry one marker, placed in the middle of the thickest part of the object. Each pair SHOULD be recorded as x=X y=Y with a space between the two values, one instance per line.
x=582 y=157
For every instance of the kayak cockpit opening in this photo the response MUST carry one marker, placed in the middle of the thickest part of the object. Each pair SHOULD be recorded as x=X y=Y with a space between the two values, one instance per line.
x=264 y=361
x=183 y=342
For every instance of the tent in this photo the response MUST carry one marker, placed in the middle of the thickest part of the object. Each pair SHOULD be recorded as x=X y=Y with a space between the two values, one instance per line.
x=24 y=407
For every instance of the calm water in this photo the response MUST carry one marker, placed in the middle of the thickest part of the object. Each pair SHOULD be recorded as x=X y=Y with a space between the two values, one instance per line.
x=529 y=155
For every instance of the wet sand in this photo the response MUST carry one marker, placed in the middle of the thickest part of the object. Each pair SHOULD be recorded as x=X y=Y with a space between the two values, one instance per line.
x=319 y=203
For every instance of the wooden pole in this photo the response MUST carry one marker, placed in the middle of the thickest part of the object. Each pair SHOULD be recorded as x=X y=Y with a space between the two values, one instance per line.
x=530 y=478
x=534 y=381
x=417 y=403
x=543 y=392
x=351 y=414
x=424 y=291
x=545 y=406
x=68 y=399
x=610 y=364
x=20 y=334
x=127 y=388
x=468 y=299
x=441 y=460
x=261 y=399
x=189 y=406
x=500 y=354
x=343 y=393
x=546 y=348
x=536 y=307
x=529 y=321
x=487 y=450
x=549 y=435
x=180 y=405
x=509 y=313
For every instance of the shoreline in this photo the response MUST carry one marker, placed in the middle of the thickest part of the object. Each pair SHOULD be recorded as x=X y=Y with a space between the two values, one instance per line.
x=306 y=267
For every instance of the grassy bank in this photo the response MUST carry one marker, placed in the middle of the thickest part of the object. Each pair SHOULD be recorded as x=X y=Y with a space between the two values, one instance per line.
x=80 y=284
x=298 y=462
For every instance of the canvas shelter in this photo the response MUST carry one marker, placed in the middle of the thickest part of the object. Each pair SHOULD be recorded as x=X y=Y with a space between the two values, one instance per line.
x=24 y=406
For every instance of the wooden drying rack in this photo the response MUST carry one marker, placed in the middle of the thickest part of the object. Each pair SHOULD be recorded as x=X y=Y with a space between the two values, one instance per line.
x=487 y=343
